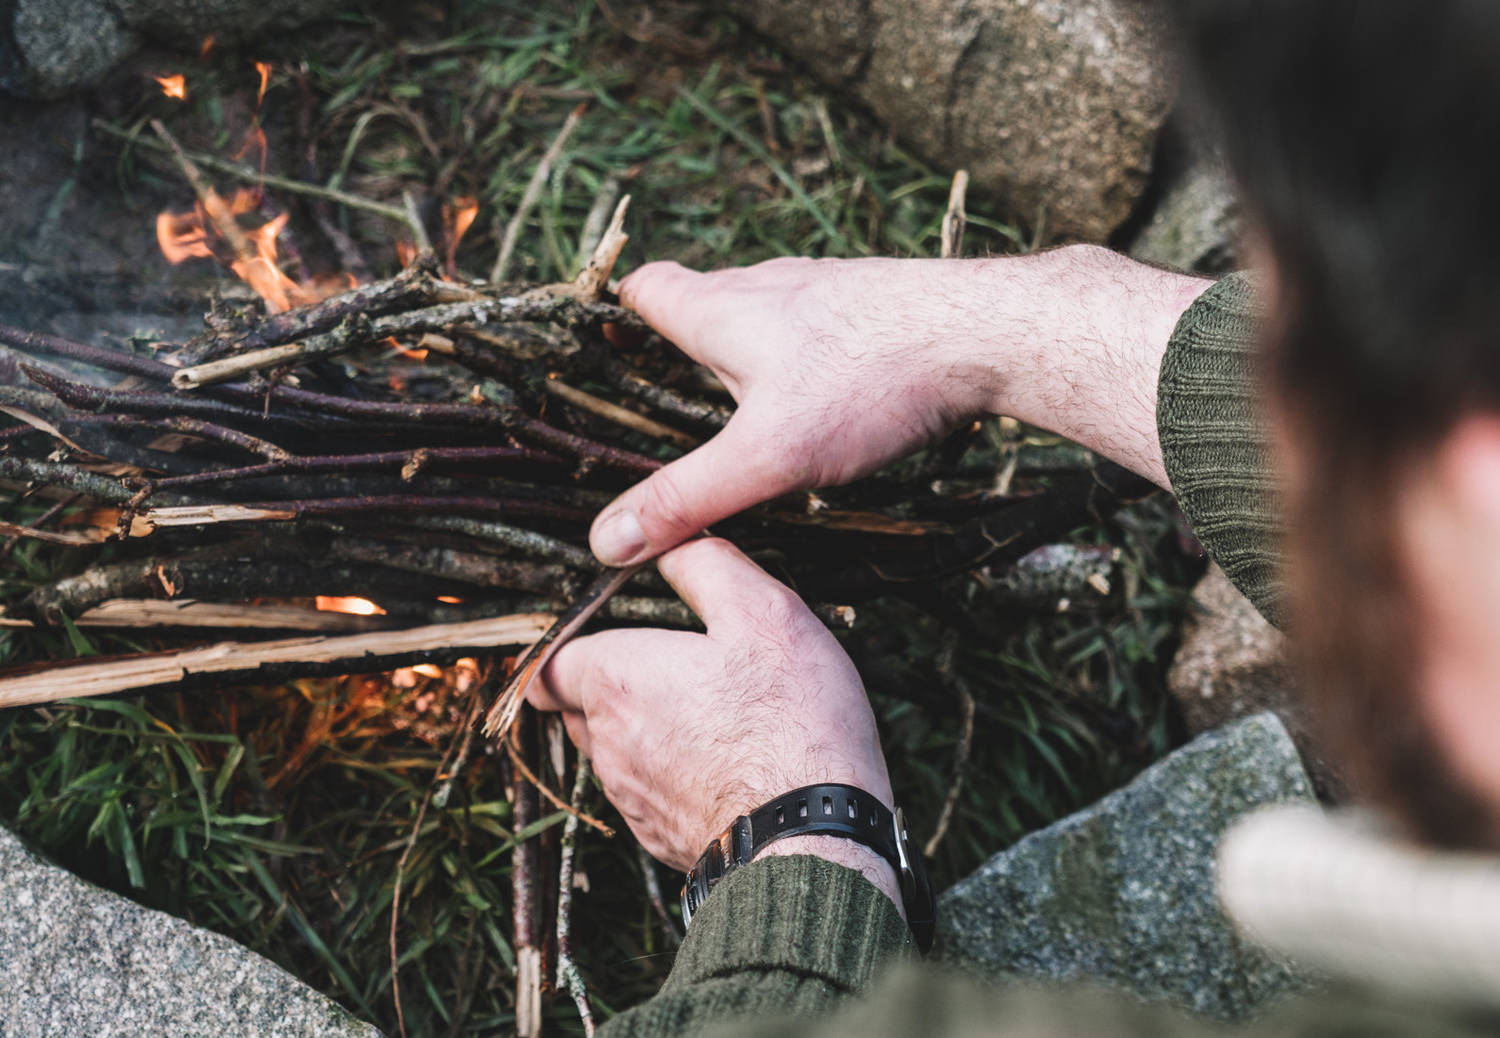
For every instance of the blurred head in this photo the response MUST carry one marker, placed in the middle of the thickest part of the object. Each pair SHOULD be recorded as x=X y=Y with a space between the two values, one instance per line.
x=1366 y=140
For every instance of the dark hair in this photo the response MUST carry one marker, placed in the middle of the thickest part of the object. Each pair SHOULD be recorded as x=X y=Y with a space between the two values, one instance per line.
x=1365 y=137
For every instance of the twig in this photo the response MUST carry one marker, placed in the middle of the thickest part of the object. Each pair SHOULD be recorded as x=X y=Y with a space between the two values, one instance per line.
x=27 y=686
x=214 y=206
x=354 y=331
x=955 y=218
x=411 y=842
x=664 y=399
x=965 y=743
x=252 y=176
x=595 y=273
x=525 y=910
x=408 y=462
x=70 y=539
x=568 y=976
x=421 y=239
x=501 y=717
x=653 y=893
x=621 y=416
x=188 y=613
x=153 y=519
x=533 y=194
x=597 y=218
x=546 y=791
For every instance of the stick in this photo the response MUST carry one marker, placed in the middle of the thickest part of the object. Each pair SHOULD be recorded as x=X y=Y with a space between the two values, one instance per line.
x=568 y=976
x=525 y=911
x=595 y=273
x=87 y=678
x=187 y=612
x=653 y=893
x=411 y=843
x=354 y=331
x=218 y=210
x=252 y=176
x=596 y=220
x=404 y=462
x=501 y=716
x=153 y=519
x=71 y=539
x=533 y=194
x=954 y=219
x=621 y=416
x=965 y=743
x=519 y=762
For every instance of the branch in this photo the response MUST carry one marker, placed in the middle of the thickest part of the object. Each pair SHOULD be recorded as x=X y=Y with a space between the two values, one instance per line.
x=243 y=662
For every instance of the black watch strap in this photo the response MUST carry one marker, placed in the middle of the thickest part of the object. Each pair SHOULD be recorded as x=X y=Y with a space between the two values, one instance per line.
x=832 y=810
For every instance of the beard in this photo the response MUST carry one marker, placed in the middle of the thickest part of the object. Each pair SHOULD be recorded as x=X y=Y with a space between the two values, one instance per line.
x=1356 y=639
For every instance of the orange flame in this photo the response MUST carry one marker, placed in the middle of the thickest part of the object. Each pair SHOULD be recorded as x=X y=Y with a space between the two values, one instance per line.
x=428 y=670
x=174 y=86
x=264 y=69
x=458 y=217
x=406 y=252
x=357 y=606
x=206 y=46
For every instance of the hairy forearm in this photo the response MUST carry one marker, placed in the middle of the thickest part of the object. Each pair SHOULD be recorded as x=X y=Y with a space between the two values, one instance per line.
x=1070 y=340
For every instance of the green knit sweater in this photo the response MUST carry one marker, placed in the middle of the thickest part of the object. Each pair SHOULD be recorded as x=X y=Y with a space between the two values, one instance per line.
x=785 y=942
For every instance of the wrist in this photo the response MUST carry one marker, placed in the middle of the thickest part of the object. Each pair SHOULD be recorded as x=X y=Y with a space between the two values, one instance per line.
x=848 y=853
x=1074 y=342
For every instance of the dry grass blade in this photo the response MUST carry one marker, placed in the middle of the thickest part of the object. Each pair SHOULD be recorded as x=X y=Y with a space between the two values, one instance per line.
x=532 y=195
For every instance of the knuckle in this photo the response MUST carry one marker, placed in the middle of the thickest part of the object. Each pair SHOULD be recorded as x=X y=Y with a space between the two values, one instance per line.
x=665 y=504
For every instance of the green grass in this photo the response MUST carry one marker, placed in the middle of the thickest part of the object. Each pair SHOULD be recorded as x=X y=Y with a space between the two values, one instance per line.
x=277 y=816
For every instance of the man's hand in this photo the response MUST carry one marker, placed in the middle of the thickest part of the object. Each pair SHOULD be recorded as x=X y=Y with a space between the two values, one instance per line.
x=687 y=731
x=841 y=366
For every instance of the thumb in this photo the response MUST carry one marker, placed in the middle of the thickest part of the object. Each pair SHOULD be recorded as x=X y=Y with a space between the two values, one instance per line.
x=724 y=476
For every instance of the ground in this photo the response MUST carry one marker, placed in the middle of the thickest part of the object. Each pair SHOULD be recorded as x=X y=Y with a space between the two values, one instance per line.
x=278 y=815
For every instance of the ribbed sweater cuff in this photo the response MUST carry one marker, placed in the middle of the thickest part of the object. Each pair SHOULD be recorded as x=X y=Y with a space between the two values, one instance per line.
x=1214 y=442
x=798 y=913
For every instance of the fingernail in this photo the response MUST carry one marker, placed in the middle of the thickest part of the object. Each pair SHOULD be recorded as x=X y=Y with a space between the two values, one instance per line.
x=619 y=539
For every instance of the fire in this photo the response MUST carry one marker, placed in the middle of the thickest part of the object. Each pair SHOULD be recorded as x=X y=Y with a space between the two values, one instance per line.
x=174 y=86
x=458 y=217
x=213 y=228
x=428 y=670
x=265 y=77
x=206 y=46
x=357 y=606
x=450 y=600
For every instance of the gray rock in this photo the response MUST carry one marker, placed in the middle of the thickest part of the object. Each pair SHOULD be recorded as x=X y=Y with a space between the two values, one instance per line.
x=1122 y=894
x=52 y=47
x=49 y=49
x=1233 y=663
x=77 y=960
x=1196 y=225
x=1054 y=105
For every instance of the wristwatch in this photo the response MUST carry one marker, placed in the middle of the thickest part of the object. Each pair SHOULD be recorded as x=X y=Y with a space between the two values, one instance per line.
x=826 y=810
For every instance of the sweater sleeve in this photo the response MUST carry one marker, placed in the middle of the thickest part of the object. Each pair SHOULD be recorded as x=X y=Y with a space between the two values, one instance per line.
x=791 y=934
x=1214 y=440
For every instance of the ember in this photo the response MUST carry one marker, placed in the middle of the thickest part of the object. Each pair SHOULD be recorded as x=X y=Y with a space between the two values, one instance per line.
x=174 y=86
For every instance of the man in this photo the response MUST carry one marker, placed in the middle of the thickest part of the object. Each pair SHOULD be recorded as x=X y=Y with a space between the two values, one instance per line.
x=1364 y=136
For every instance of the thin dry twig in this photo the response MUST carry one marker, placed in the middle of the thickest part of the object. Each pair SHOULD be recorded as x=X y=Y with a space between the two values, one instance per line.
x=533 y=194
x=954 y=219
x=253 y=176
x=965 y=743
x=621 y=416
x=568 y=975
x=459 y=739
x=653 y=893
x=546 y=791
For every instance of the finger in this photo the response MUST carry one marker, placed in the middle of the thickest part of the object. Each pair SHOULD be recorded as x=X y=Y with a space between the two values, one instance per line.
x=724 y=476
x=672 y=300
x=721 y=584
x=610 y=663
x=578 y=730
